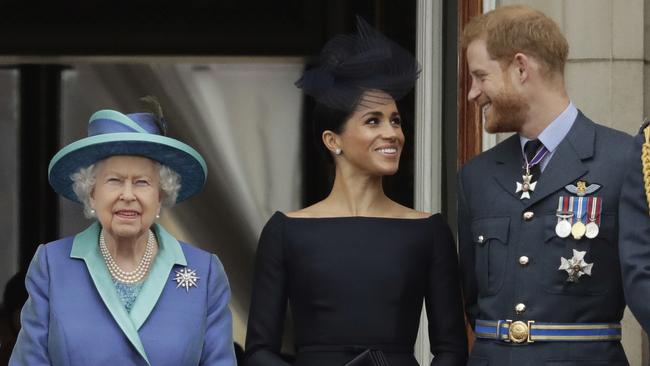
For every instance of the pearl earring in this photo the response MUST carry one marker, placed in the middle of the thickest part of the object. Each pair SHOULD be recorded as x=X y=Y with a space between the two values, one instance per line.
x=158 y=216
x=338 y=151
x=92 y=211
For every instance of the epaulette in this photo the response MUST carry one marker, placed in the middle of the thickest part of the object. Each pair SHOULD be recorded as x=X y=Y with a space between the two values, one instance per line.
x=644 y=125
x=645 y=159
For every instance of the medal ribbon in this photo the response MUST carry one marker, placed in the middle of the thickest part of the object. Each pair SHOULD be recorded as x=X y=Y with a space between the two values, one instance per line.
x=594 y=210
x=537 y=158
x=571 y=208
x=563 y=212
x=580 y=208
x=565 y=205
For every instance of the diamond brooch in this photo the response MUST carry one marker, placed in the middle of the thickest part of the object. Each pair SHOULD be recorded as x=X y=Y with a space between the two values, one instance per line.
x=186 y=278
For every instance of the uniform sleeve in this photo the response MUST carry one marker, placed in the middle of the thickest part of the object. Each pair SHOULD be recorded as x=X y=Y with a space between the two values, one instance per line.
x=269 y=300
x=443 y=301
x=466 y=254
x=634 y=238
x=218 y=349
x=31 y=344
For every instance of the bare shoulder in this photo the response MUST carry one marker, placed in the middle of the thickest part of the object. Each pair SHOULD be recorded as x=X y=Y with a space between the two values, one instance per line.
x=409 y=213
x=316 y=210
x=324 y=209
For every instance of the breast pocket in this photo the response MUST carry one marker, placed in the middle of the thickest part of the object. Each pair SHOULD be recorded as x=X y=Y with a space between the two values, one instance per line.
x=601 y=251
x=490 y=236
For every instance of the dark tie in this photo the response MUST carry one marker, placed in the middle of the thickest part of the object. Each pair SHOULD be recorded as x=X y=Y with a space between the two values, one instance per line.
x=530 y=148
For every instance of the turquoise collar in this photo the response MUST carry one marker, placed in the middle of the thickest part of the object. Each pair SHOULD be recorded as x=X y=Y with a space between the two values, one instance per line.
x=85 y=246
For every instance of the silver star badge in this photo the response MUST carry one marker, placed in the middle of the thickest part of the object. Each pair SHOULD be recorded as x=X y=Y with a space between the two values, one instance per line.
x=186 y=278
x=576 y=266
x=526 y=186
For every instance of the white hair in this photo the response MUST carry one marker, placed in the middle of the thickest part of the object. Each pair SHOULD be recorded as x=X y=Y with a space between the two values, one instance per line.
x=83 y=182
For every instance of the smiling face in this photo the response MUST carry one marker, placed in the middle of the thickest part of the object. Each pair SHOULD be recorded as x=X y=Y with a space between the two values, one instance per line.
x=504 y=109
x=126 y=196
x=372 y=137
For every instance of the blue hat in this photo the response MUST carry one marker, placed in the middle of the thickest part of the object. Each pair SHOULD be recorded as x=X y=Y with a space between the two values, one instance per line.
x=112 y=133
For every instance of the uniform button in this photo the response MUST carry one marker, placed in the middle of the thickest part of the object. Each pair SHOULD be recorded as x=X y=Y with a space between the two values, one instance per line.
x=520 y=308
x=480 y=238
x=528 y=215
x=523 y=260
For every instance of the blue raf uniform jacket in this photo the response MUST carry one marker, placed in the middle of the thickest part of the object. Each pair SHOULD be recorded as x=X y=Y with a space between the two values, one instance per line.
x=510 y=254
x=74 y=317
x=634 y=236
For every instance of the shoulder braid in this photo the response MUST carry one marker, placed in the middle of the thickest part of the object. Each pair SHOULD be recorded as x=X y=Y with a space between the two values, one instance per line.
x=645 y=161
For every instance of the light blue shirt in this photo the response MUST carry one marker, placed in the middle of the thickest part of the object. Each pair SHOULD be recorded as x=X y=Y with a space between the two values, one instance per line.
x=554 y=133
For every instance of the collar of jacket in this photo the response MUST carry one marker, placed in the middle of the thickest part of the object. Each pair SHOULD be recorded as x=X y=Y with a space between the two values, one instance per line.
x=565 y=166
x=85 y=246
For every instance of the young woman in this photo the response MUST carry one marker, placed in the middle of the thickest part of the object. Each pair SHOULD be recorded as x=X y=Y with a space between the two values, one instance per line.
x=357 y=266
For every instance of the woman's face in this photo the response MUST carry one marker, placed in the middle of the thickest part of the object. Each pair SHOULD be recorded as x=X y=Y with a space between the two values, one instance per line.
x=372 y=138
x=126 y=196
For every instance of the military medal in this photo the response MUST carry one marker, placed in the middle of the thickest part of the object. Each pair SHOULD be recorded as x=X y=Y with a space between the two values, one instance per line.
x=527 y=185
x=592 y=228
x=563 y=227
x=578 y=229
x=576 y=266
x=587 y=207
x=186 y=278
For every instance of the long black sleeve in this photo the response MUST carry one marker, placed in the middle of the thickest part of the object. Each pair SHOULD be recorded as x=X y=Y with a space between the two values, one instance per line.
x=443 y=301
x=269 y=300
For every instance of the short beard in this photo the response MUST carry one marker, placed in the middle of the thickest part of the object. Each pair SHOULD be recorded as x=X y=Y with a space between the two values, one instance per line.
x=508 y=112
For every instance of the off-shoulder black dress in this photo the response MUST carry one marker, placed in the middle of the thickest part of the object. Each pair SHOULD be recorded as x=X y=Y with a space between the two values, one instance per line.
x=355 y=283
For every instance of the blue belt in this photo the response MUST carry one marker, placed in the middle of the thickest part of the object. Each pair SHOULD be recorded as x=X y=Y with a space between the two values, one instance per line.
x=530 y=331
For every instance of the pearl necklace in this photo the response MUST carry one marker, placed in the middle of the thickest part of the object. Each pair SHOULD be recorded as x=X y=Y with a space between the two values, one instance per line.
x=140 y=271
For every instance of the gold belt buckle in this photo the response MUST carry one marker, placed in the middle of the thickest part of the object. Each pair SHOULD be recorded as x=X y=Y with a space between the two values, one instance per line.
x=519 y=331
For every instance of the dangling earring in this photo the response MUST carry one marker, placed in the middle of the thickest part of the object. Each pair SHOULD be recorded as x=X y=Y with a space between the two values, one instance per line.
x=338 y=151
x=158 y=215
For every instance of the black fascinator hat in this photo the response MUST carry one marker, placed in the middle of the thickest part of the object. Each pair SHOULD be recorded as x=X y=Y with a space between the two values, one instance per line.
x=351 y=64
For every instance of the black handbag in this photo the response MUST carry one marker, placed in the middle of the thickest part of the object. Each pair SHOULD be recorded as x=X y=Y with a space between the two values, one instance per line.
x=369 y=358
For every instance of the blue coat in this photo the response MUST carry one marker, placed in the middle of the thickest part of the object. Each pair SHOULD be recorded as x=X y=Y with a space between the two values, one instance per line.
x=510 y=253
x=74 y=316
x=634 y=237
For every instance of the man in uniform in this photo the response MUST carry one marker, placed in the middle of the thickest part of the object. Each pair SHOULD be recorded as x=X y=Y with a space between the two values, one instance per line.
x=634 y=234
x=538 y=212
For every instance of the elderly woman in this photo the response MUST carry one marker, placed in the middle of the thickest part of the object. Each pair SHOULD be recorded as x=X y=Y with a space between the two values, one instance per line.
x=124 y=291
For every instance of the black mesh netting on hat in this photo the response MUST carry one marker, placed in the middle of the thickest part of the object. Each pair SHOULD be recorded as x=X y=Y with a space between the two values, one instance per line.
x=351 y=64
